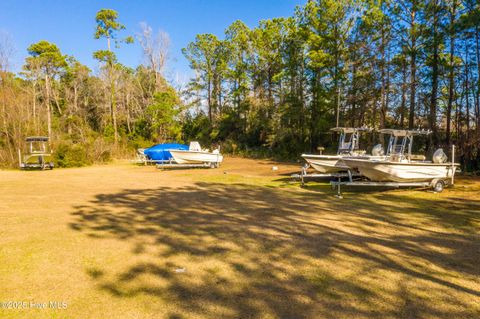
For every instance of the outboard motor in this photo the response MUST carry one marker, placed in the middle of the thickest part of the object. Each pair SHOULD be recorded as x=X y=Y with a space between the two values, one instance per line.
x=439 y=156
x=377 y=150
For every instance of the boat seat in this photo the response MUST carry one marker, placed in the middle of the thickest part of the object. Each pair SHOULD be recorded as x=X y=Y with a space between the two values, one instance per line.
x=416 y=157
x=345 y=146
x=359 y=152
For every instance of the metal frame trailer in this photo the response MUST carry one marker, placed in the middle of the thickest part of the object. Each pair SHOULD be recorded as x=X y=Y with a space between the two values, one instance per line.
x=148 y=161
x=304 y=175
x=161 y=164
x=436 y=184
x=42 y=166
x=168 y=165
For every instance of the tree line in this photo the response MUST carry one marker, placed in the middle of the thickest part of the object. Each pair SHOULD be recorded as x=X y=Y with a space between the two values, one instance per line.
x=89 y=117
x=403 y=64
x=274 y=89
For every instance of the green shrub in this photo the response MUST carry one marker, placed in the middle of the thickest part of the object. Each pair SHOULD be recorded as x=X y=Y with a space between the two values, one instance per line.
x=109 y=133
x=70 y=155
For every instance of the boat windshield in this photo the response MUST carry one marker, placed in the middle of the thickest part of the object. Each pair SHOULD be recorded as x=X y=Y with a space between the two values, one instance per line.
x=37 y=147
x=400 y=143
x=400 y=147
x=348 y=143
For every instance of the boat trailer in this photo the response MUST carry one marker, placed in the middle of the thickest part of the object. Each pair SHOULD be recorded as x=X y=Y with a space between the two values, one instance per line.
x=146 y=161
x=436 y=184
x=304 y=176
x=172 y=165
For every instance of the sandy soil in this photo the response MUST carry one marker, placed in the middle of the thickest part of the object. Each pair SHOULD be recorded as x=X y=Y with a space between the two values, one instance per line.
x=241 y=241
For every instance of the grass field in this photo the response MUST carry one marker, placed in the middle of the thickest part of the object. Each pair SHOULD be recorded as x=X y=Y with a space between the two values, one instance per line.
x=124 y=241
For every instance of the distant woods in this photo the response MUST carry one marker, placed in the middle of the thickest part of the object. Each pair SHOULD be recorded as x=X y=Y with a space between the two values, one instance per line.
x=274 y=89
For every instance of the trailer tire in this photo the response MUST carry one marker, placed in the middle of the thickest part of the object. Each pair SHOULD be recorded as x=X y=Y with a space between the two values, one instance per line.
x=438 y=185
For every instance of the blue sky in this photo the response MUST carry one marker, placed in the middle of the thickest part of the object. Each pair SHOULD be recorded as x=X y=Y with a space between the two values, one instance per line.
x=71 y=24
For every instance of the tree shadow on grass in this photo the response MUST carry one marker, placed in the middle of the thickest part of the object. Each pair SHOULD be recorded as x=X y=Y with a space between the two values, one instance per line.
x=253 y=252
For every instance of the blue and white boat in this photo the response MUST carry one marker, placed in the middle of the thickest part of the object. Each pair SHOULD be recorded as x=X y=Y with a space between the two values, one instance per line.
x=161 y=152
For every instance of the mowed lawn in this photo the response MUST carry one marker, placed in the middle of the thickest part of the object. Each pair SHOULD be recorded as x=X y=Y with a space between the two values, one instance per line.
x=241 y=241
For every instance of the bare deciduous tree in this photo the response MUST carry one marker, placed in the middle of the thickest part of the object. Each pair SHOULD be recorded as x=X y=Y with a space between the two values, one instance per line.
x=155 y=49
x=6 y=52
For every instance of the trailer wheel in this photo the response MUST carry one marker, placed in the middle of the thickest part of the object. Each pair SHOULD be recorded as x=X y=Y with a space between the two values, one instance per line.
x=438 y=185
x=51 y=165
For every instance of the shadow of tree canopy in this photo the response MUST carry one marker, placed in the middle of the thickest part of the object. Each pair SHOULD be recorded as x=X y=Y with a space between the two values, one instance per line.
x=242 y=251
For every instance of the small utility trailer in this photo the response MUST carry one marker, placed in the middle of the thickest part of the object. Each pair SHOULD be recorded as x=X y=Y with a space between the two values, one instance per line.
x=38 y=154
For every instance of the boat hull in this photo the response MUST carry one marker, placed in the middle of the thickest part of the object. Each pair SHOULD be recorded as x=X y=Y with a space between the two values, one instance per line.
x=384 y=171
x=325 y=163
x=195 y=157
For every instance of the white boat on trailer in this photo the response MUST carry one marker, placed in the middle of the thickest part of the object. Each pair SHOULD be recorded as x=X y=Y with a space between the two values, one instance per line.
x=348 y=145
x=196 y=156
x=400 y=167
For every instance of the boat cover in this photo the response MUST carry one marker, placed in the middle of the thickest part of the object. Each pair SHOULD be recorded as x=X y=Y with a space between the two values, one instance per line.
x=160 y=152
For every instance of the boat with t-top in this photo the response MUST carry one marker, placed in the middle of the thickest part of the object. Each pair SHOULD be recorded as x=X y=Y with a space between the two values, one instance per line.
x=348 y=145
x=400 y=165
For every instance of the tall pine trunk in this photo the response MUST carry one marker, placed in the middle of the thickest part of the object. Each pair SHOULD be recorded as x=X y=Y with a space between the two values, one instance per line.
x=465 y=146
x=403 y=103
x=49 y=111
x=451 y=73
x=383 y=106
x=477 y=53
x=435 y=62
x=413 y=71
